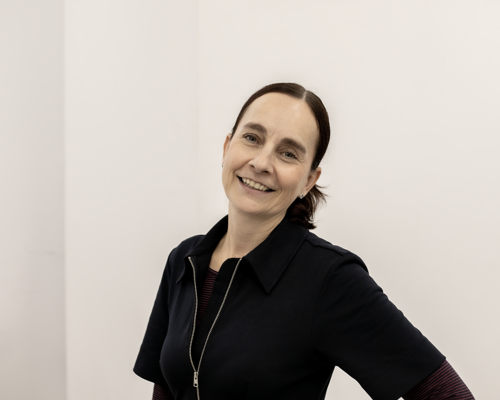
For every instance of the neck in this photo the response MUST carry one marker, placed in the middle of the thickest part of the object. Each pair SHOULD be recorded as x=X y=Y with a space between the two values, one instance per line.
x=245 y=233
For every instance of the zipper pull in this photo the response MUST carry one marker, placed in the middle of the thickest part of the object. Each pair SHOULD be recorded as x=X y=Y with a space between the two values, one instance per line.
x=195 y=379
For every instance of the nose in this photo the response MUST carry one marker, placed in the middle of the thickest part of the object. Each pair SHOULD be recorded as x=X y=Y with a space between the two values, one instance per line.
x=263 y=161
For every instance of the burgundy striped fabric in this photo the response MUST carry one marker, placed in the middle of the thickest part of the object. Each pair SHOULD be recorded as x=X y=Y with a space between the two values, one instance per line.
x=163 y=392
x=206 y=292
x=444 y=383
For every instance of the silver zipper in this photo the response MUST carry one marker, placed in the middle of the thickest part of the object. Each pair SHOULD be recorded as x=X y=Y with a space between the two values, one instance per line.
x=196 y=371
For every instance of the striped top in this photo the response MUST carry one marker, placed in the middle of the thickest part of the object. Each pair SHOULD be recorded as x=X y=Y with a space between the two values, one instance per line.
x=206 y=292
x=442 y=384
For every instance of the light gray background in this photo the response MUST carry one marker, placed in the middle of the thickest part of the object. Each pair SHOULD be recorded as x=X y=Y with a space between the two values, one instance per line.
x=112 y=120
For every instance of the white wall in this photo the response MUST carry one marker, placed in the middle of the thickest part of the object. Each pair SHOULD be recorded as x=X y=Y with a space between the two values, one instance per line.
x=131 y=193
x=151 y=90
x=32 y=360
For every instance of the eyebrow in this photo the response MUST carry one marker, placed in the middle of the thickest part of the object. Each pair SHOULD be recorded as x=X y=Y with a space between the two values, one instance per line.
x=257 y=127
x=295 y=144
x=287 y=141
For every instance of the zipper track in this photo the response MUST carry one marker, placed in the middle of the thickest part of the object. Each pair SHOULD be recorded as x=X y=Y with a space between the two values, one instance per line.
x=196 y=371
x=195 y=312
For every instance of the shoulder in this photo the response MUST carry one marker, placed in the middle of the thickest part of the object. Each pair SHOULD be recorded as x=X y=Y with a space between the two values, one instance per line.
x=319 y=242
x=336 y=254
x=175 y=261
x=185 y=247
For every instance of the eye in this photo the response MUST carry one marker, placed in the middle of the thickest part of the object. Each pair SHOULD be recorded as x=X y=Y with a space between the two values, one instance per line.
x=290 y=155
x=251 y=138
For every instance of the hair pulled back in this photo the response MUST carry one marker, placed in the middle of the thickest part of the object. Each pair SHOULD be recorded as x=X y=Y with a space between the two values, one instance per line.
x=301 y=210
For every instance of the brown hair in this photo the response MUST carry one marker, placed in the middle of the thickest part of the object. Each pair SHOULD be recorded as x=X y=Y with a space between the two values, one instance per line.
x=301 y=210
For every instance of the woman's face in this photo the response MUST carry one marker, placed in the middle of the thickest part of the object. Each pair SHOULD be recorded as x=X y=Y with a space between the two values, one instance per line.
x=267 y=162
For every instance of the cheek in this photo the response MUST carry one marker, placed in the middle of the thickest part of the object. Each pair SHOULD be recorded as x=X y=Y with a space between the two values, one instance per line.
x=233 y=154
x=294 y=180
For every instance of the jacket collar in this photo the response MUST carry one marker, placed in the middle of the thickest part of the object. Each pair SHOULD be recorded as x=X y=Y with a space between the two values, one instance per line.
x=269 y=259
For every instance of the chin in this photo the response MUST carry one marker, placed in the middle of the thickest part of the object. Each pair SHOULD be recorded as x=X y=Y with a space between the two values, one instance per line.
x=247 y=207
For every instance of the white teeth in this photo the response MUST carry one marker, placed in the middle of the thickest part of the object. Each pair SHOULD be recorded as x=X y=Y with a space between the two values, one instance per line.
x=254 y=185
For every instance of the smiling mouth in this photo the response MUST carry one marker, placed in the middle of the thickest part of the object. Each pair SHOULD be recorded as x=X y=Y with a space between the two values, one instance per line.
x=255 y=185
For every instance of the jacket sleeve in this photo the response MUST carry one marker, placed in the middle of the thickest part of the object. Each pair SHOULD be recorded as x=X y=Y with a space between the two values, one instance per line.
x=147 y=365
x=358 y=329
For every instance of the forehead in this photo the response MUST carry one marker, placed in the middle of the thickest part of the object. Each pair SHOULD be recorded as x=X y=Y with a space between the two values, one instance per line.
x=284 y=115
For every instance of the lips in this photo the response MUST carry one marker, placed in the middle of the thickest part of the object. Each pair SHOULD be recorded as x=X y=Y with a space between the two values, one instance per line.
x=255 y=185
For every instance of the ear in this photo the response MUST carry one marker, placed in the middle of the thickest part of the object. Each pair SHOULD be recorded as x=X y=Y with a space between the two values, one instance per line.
x=311 y=180
x=226 y=146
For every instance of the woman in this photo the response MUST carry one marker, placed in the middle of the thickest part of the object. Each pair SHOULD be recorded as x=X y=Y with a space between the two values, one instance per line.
x=261 y=308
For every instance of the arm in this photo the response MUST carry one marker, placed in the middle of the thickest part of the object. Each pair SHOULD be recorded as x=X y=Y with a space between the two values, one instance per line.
x=147 y=364
x=444 y=383
x=161 y=392
x=357 y=328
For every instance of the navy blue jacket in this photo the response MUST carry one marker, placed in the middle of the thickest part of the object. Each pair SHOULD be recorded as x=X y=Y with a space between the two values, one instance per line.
x=297 y=307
